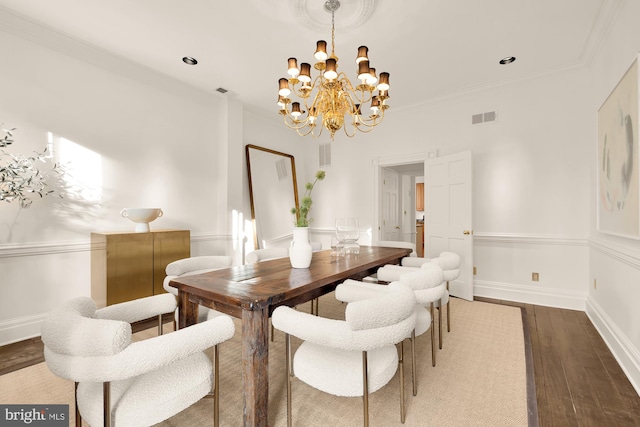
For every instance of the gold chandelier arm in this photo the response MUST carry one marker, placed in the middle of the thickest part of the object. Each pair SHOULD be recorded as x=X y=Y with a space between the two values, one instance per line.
x=302 y=127
x=366 y=124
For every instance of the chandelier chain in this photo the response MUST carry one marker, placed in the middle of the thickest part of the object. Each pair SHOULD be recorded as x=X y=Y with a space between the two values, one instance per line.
x=333 y=32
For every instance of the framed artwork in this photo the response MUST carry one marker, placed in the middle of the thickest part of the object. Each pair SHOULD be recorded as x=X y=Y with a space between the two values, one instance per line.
x=618 y=183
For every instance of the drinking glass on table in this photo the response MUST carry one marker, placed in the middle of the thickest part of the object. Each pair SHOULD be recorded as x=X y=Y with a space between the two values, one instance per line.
x=337 y=247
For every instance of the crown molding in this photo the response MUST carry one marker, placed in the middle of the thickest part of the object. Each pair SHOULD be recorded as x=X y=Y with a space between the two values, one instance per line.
x=48 y=37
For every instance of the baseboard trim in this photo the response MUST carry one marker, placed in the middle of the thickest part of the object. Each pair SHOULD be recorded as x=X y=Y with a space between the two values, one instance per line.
x=530 y=294
x=20 y=329
x=626 y=354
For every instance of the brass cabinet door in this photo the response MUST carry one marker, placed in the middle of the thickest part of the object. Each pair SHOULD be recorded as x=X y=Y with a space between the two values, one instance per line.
x=128 y=266
x=168 y=246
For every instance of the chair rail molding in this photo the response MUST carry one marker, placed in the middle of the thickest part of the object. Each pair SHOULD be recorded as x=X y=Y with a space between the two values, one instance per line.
x=43 y=248
x=53 y=248
x=530 y=239
x=616 y=251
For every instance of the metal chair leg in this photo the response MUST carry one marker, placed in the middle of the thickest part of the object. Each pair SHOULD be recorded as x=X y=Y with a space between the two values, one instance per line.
x=314 y=306
x=440 y=308
x=401 y=367
x=413 y=362
x=160 y=324
x=433 y=337
x=448 y=311
x=287 y=339
x=78 y=417
x=106 y=402
x=365 y=389
x=216 y=387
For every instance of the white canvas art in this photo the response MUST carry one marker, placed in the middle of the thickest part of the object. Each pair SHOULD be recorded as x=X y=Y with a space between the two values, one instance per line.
x=618 y=190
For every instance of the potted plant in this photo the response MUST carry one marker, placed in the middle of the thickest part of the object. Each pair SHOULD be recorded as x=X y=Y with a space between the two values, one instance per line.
x=300 y=251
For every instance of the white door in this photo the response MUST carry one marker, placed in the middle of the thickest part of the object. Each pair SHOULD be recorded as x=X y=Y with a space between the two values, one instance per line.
x=390 y=206
x=448 y=219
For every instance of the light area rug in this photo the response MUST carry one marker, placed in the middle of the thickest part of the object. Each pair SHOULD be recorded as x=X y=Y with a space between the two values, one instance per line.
x=479 y=379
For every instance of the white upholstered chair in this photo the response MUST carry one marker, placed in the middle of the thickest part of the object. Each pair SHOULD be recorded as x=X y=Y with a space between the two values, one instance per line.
x=428 y=287
x=275 y=252
x=391 y=272
x=398 y=244
x=351 y=357
x=125 y=383
x=392 y=244
x=450 y=263
x=191 y=266
x=266 y=254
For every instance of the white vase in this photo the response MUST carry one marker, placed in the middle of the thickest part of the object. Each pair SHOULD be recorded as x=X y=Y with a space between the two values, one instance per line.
x=300 y=251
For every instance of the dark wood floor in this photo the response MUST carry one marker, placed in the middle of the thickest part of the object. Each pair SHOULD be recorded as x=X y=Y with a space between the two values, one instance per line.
x=578 y=382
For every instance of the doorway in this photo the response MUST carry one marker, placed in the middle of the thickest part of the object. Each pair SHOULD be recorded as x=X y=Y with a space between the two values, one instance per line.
x=402 y=219
x=447 y=215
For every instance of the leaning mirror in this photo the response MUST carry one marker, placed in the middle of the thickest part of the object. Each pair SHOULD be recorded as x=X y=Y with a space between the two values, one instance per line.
x=273 y=192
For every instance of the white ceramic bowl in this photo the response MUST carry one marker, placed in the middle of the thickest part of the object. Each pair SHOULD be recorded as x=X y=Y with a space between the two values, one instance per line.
x=142 y=217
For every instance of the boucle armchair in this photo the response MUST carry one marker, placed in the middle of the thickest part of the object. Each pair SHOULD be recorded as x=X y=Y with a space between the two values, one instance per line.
x=125 y=383
x=450 y=264
x=191 y=266
x=351 y=357
x=428 y=286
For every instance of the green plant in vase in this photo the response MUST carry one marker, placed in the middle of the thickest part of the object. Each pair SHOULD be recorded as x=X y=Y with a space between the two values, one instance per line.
x=302 y=213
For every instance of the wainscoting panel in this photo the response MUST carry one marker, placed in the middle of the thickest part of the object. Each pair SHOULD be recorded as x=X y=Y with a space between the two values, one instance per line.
x=505 y=265
x=39 y=276
x=613 y=303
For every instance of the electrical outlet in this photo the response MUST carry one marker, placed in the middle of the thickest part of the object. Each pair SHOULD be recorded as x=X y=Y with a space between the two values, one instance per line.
x=474 y=270
x=535 y=277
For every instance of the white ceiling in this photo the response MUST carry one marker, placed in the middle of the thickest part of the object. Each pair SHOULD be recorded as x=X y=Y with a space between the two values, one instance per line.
x=431 y=48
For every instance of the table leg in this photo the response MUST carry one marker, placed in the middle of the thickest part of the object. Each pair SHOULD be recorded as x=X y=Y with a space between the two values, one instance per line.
x=187 y=311
x=255 y=369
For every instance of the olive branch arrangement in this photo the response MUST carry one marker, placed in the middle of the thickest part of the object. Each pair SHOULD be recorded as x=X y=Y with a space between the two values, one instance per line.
x=20 y=178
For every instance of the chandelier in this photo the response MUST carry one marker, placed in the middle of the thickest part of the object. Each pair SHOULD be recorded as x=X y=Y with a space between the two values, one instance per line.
x=330 y=100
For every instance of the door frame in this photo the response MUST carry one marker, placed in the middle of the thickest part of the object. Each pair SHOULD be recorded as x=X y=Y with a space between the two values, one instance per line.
x=383 y=162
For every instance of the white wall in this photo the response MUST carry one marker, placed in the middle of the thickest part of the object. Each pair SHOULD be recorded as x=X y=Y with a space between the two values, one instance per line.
x=612 y=302
x=531 y=202
x=158 y=143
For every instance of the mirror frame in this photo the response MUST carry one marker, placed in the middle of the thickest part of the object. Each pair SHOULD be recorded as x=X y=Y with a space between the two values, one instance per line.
x=256 y=241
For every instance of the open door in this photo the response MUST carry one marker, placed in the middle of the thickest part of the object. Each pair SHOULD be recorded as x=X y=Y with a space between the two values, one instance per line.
x=391 y=229
x=448 y=215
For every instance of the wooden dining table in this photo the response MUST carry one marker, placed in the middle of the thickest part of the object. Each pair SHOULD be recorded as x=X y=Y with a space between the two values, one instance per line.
x=251 y=292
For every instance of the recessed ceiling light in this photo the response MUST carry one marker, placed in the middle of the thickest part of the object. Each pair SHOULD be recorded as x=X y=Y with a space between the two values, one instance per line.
x=189 y=60
x=507 y=60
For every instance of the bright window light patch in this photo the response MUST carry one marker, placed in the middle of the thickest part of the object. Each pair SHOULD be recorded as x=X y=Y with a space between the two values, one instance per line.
x=84 y=167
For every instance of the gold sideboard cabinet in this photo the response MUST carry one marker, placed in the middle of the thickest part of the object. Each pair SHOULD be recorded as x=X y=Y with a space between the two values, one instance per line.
x=128 y=266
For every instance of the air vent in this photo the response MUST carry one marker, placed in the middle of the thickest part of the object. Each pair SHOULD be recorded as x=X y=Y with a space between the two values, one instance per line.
x=221 y=90
x=324 y=155
x=281 y=169
x=489 y=116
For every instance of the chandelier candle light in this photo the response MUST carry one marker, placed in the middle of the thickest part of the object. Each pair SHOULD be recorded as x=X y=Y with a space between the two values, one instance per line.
x=334 y=100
